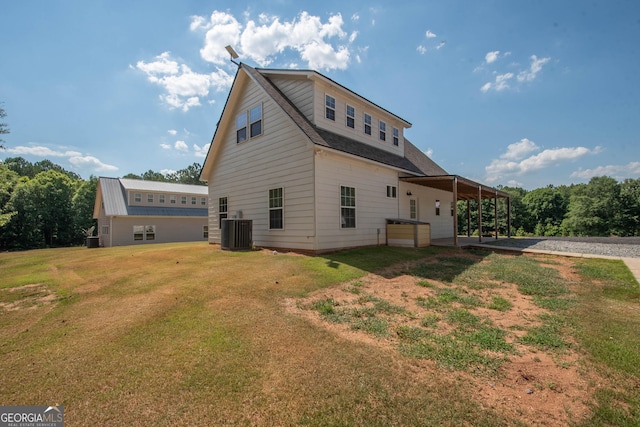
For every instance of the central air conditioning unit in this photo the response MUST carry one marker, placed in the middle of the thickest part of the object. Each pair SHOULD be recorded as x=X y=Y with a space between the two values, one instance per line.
x=236 y=234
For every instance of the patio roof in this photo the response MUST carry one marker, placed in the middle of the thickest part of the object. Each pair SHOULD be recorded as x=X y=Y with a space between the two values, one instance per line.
x=466 y=189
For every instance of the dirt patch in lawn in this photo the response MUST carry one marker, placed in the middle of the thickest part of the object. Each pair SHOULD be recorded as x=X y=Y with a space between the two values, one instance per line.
x=26 y=297
x=533 y=385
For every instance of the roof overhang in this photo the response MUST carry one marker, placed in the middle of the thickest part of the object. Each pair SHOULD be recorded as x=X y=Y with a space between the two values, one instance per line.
x=466 y=189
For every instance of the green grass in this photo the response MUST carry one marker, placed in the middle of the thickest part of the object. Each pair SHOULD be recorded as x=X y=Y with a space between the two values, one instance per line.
x=183 y=334
x=500 y=304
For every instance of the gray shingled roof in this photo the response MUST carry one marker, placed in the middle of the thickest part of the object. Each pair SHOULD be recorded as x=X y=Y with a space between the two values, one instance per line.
x=414 y=160
x=114 y=197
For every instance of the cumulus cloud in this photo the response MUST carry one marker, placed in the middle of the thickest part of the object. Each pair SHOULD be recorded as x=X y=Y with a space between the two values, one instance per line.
x=504 y=81
x=183 y=87
x=181 y=146
x=629 y=170
x=263 y=40
x=165 y=146
x=518 y=160
x=75 y=158
x=201 y=151
x=534 y=69
x=172 y=131
x=429 y=34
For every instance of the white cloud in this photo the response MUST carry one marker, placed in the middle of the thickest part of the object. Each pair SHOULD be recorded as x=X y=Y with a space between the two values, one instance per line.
x=355 y=17
x=183 y=87
x=201 y=151
x=421 y=50
x=429 y=34
x=441 y=45
x=491 y=56
x=91 y=162
x=166 y=172
x=534 y=69
x=172 y=131
x=262 y=41
x=74 y=157
x=501 y=83
x=181 y=146
x=428 y=152
x=629 y=170
x=515 y=162
x=165 y=146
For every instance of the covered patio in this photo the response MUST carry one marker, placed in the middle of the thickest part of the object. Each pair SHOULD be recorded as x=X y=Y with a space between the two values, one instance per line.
x=466 y=189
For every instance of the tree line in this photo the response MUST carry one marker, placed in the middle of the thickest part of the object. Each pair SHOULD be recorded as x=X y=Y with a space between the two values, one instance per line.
x=602 y=207
x=44 y=205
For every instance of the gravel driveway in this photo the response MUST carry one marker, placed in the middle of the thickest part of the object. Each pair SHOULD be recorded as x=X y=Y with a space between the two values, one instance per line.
x=628 y=247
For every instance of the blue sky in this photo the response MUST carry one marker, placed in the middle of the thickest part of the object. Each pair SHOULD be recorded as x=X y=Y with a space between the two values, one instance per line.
x=506 y=92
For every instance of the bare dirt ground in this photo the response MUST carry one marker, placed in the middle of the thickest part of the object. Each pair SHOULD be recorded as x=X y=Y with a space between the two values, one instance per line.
x=536 y=387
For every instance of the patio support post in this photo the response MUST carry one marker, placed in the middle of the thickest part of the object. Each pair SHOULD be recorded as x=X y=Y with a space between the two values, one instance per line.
x=468 y=218
x=455 y=211
x=495 y=215
x=480 y=213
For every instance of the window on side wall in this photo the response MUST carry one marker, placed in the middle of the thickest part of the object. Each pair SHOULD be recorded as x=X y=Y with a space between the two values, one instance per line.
x=392 y=191
x=205 y=231
x=138 y=232
x=222 y=210
x=149 y=198
x=276 y=209
x=172 y=200
x=367 y=124
x=255 y=120
x=150 y=232
x=351 y=117
x=183 y=200
x=161 y=198
x=347 y=207
x=413 y=209
x=203 y=201
x=330 y=107
x=137 y=197
x=396 y=136
x=194 y=200
x=383 y=130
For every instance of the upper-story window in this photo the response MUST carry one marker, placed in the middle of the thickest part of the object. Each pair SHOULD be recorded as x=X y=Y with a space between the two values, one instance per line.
x=383 y=130
x=351 y=117
x=252 y=120
x=396 y=136
x=203 y=201
x=183 y=200
x=194 y=200
x=149 y=198
x=161 y=198
x=172 y=200
x=255 y=120
x=137 y=197
x=330 y=107
x=367 y=124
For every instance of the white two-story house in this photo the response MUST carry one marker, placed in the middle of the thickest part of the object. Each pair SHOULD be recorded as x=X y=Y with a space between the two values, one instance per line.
x=317 y=167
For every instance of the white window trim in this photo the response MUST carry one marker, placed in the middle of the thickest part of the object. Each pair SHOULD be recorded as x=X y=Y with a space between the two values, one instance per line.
x=365 y=124
x=347 y=116
x=355 y=208
x=394 y=191
x=269 y=209
x=327 y=107
x=382 y=132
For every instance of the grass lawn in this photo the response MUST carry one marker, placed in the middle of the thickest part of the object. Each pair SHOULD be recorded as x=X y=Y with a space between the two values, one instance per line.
x=186 y=334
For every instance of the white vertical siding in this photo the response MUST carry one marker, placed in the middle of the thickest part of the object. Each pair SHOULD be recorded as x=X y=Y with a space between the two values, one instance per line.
x=372 y=205
x=244 y=173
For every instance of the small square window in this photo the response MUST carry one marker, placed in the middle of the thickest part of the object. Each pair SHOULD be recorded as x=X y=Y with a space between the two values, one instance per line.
x=392 y=191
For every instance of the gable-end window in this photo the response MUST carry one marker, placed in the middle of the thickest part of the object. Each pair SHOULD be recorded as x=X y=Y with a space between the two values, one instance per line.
x=396 y=136
x=276 y=209
x=149 y=198
x=194 y=200
x=351 y=117
x=392 y=191
x=172 y=200
x=161 y=198
x=137 y=197
x=347 y=207
x=413 y=209
x=383 y=130
x=222 y=210
x=241 y=127
x=367 y=124
x=330 y=107
x=255 y=120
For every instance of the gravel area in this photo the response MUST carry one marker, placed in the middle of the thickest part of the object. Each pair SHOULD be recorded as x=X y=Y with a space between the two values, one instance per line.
x=627 y=247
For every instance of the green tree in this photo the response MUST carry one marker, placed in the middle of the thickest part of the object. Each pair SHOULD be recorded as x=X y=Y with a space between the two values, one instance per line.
x=82 y=203
x=188 y=175
x=630 y=207
x=8 y=180
x=4 y=129
x=594 y=208
x=546 y=208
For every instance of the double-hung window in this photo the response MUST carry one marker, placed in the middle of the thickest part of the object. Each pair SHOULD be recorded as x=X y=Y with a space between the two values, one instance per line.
x=396 y=136
x=241 y=127
x=183 y=200
x=149 y=197
x=193 y=200
x=137 y=197
x=330 y=107
x=351 y=117
x=367 y=124
x=347 y=207
x=161 y=198
x=383 y=130
x=392 y=191
x=222 y=210
x=276 y=209
x=255 y=120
